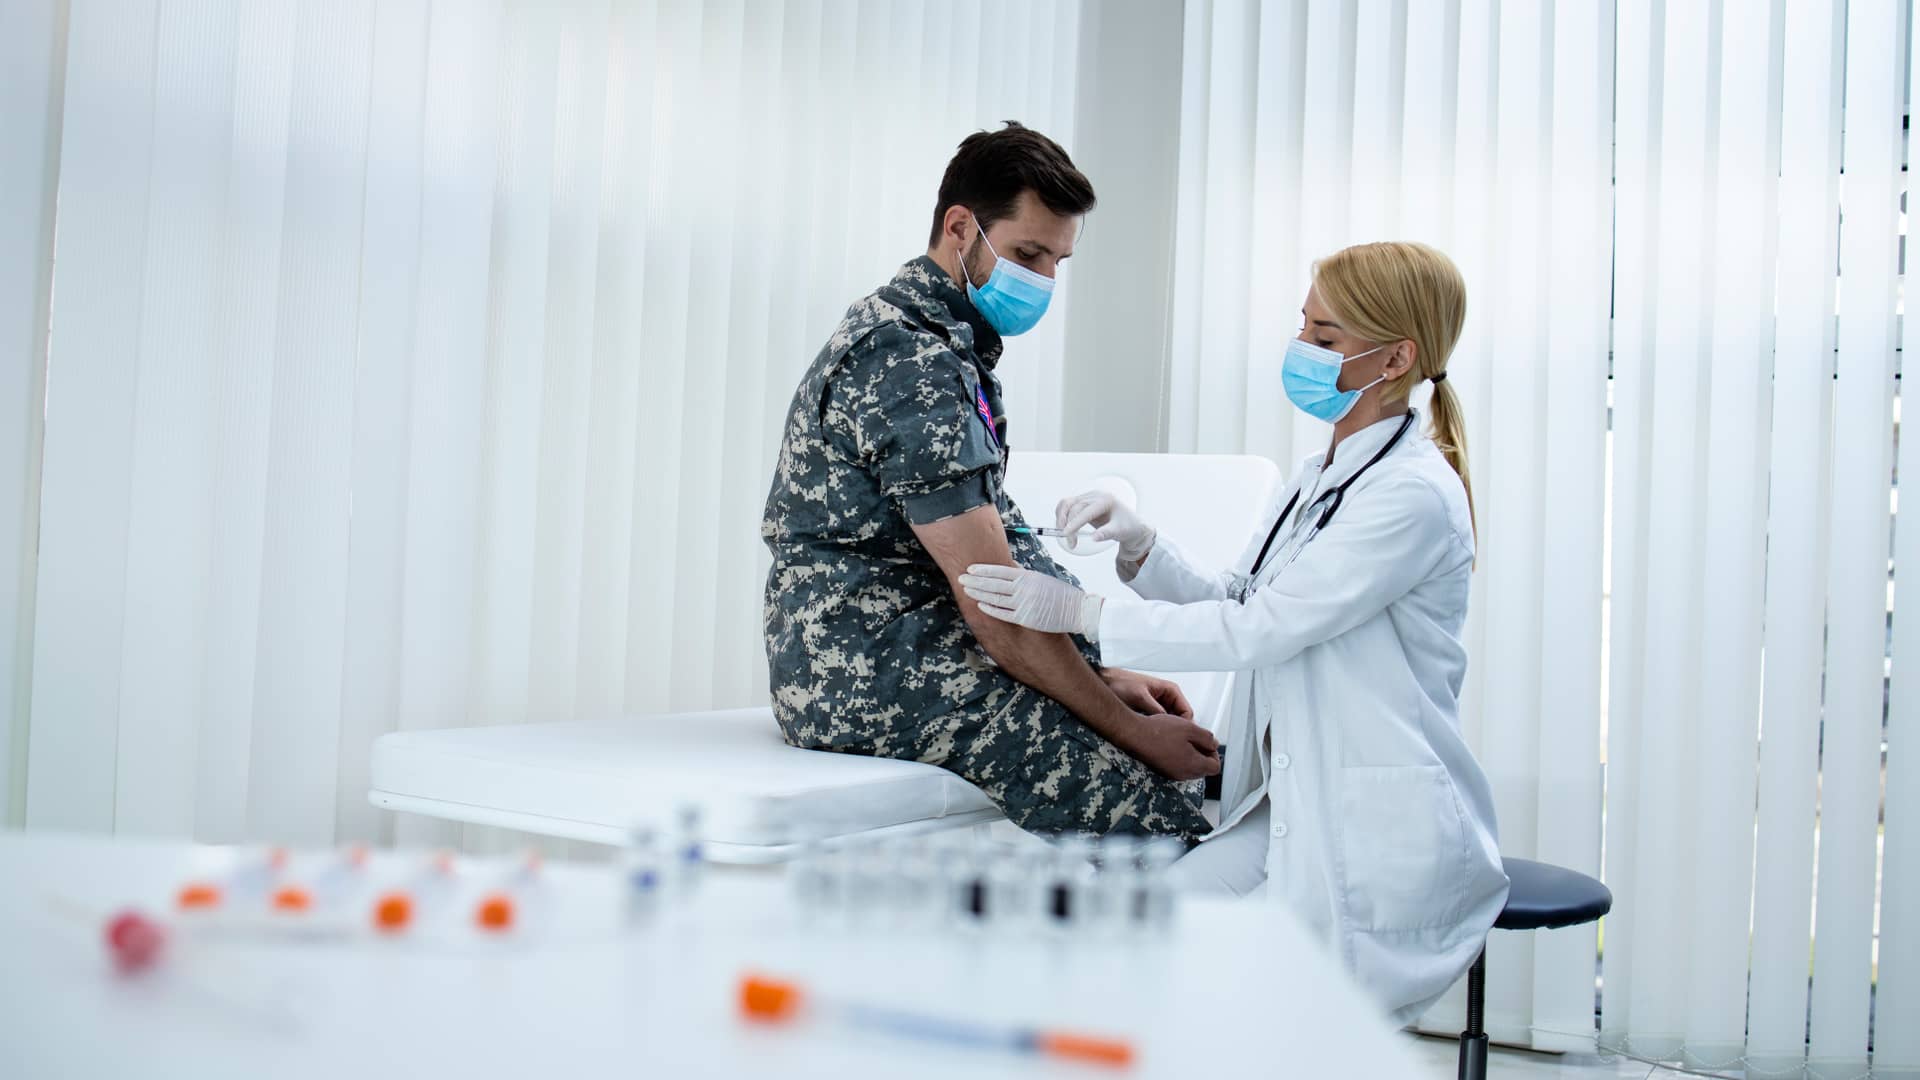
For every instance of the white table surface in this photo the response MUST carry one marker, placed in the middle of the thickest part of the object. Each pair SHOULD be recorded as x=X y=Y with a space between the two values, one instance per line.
x=1234 y=987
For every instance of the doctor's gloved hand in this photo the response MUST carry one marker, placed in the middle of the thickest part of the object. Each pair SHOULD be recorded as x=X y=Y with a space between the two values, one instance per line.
x=1114 y=519
x=1033 y=600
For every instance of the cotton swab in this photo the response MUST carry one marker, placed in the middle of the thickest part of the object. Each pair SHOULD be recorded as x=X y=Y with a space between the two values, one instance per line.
x=138 y=943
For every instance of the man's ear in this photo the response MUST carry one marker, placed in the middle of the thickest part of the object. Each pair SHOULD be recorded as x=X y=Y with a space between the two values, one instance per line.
x=957 y=224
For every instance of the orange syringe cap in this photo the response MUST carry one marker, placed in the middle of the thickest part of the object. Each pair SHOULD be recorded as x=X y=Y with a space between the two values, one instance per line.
x=1089 y=1048
x=393 y=913
x=773 y=1000
x=293 y=900
x=198 y=896
x=495 y=913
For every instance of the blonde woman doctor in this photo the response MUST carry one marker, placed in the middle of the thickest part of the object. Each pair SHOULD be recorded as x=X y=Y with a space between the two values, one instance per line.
x=1348 y=792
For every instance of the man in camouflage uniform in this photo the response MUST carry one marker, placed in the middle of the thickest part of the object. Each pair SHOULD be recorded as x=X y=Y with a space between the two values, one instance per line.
x=890 y=483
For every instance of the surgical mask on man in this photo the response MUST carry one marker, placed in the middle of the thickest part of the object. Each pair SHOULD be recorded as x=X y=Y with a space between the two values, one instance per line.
x=1013 y=297
x=1311 y=375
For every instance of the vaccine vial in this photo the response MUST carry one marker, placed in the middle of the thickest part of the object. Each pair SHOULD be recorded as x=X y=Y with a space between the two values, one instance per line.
x=1015 y=882
x=1131 y=886
x=836 y=864
x=1066 y=889
x=1114 y=880
x=862 y=881
x=812 y=880
x=643 y=872
x=1158 y=856
x=969 y=890
x=915 y=883
x=690 y=853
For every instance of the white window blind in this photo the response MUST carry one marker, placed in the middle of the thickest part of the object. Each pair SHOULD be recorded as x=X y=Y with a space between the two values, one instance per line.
x=1683 y=462
x=416 y=363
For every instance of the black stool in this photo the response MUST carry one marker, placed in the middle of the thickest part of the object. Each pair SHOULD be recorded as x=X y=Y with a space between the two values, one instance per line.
x=1543 y=897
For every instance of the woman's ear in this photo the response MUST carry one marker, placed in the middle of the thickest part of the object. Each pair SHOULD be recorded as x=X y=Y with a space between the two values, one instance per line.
x=1405 y=355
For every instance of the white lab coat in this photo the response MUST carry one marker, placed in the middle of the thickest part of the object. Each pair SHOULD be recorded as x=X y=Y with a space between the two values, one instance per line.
x=1346 y=715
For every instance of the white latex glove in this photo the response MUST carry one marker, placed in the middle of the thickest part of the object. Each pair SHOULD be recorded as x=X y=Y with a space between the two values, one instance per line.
x=1114 y=519
x=1032 y=599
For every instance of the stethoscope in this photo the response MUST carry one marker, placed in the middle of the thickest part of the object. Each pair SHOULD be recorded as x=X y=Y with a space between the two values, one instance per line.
x=1331 y=498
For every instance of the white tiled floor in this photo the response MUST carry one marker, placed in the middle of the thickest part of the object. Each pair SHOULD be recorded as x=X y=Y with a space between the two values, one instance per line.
x=1442 y=1056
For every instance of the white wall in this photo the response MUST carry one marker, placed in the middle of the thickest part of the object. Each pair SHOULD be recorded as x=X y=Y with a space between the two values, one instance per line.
x=32 y=63
x=1127 y=141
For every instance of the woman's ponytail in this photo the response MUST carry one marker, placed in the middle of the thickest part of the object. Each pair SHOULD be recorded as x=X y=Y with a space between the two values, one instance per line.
x=1450 y=437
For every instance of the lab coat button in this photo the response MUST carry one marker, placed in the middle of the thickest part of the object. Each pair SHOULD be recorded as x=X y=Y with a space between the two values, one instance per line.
x=1281 y=761
x=1280 y=831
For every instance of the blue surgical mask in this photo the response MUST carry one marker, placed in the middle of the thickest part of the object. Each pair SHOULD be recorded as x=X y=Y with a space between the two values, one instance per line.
x=1013 y=297
x=1311 y=375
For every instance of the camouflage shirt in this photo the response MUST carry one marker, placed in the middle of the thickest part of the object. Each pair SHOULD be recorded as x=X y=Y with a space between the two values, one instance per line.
x=897 y=422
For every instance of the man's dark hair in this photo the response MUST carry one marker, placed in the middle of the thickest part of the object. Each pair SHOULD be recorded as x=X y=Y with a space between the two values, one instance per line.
x=991 y=169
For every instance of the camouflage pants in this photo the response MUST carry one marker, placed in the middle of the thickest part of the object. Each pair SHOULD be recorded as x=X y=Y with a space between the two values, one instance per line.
x=1047 y=771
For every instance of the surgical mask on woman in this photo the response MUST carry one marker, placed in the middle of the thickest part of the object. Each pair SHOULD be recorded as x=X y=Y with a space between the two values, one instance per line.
x=1013 y=298
x=1311 y=375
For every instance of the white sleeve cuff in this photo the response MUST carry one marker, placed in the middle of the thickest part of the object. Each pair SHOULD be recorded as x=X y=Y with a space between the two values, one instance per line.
x=1147 y=571
x=1091 y=606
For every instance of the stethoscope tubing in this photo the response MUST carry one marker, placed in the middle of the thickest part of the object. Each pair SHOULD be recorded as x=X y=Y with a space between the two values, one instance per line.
x=1338 y=495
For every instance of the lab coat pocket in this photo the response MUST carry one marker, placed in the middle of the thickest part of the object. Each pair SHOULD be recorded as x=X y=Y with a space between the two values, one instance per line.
x=1405 y=842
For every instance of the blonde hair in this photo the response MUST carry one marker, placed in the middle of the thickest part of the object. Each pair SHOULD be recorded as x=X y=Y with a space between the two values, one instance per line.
x=1406 y=292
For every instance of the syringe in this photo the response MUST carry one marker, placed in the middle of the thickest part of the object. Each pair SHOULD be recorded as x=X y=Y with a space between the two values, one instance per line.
x=1042 y=530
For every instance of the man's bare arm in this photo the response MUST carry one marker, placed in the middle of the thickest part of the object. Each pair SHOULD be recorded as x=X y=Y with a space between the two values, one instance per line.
x=1049 y=662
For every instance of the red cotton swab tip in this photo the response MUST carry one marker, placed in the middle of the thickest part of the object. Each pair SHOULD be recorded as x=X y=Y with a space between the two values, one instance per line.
x=134 y=941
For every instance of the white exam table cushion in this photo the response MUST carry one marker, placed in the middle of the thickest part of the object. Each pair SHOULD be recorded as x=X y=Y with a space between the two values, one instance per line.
x=595 y=780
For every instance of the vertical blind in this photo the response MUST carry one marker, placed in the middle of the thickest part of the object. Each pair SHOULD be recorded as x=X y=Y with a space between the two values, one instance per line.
x=1684 y=463
x=416 y=363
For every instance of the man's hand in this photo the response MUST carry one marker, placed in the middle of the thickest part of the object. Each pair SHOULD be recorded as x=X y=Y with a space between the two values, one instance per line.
x=1177 y=749
x=1146 y=694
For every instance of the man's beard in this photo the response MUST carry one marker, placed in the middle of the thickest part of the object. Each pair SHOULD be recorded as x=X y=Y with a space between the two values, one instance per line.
x=976 y=262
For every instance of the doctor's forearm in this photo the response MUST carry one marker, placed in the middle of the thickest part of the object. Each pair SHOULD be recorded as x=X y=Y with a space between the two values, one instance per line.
x=1203 y=636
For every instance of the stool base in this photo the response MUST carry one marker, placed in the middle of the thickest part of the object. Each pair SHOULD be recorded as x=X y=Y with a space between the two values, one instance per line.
x=1473 y=1041
x=1473 y=1057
